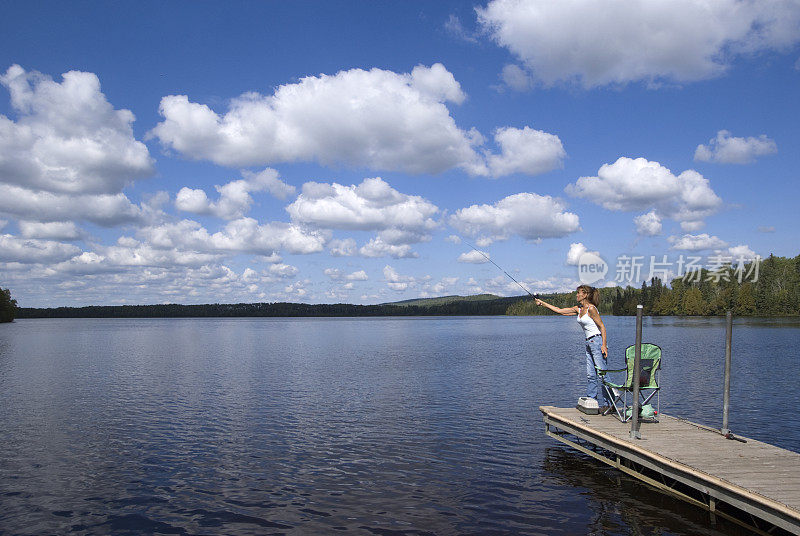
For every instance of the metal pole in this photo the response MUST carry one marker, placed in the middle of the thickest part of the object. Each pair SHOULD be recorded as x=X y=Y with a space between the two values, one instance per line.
x=637 y=370
x=726 y=391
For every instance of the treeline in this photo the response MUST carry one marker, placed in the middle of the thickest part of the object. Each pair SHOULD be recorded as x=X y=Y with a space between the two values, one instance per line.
x=770 y=289
x=8 y=307
x=455 y=308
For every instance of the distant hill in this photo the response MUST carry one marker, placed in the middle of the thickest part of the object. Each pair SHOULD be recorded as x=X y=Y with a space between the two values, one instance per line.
x=442 y=300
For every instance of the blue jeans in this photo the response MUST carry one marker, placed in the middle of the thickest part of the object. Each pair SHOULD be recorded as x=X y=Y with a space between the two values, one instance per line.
x=594 y=356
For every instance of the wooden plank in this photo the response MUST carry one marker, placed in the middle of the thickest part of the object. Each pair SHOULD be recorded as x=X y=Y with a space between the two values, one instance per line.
x=734 y=468
x=764 y=486
x=775 y=472
x=783 y=495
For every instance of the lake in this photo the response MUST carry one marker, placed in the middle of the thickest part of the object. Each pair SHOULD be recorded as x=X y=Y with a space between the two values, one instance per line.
x=382 y=426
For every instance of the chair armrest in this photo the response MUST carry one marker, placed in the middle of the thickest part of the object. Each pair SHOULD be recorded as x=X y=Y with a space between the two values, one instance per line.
x=611 y=370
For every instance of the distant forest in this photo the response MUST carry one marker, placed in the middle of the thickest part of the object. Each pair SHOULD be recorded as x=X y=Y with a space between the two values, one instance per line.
x=772 y=288
x=463 y=306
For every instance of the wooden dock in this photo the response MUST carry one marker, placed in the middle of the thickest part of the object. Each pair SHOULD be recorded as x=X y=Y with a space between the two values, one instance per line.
x=754 y=484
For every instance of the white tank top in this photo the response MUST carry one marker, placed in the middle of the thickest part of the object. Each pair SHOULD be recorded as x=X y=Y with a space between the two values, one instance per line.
x=590 y=329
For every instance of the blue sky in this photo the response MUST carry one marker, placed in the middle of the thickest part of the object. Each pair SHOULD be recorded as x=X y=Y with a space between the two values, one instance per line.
x=196 y=152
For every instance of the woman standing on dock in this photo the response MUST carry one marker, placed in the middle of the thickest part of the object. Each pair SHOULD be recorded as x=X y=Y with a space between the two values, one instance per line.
x=595 y=332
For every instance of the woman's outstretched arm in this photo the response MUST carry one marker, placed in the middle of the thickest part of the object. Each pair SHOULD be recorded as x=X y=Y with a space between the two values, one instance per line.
x=566 y=311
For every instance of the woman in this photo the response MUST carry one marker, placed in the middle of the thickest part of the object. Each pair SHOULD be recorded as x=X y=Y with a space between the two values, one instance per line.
x=595 y=333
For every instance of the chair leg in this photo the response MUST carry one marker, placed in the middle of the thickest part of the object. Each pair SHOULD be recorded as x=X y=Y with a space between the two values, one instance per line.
x=608 y=397
x=616 y=398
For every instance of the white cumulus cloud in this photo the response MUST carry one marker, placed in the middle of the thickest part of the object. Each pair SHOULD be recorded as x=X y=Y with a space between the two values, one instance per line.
x=359 y=275
x=741 y=252
x=727 y=149
x=377 y=119
x=648 y=224
x=57 y=230
x=103 y=209
x=28 y=251
x=638 y=184
x=701 y=242
x=377 y=247
x=525 y=150
x=244 y=235
x=473 y=257
x=371 y=205
x=528 y=215
x=234 y=197
x=67 y=137
x=334 y=273
x=140 y=255
x=576 y=249
x=619 y=41
x=444 y=285
x=342 y=247
x=398 y=282
x=337 y=275
x=283 y=270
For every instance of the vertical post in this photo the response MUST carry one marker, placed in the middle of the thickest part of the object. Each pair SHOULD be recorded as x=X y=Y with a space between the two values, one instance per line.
x=726 y=391
x=637 y=371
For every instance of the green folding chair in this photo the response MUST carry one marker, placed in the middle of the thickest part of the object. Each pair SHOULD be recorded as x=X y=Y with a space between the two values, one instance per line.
x=617 y=393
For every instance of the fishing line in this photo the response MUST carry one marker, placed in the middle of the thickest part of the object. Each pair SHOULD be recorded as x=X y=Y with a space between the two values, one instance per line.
x=498 y=266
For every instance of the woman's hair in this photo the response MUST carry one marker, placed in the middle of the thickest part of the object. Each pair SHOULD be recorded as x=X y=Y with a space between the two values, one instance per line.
x=592 y=294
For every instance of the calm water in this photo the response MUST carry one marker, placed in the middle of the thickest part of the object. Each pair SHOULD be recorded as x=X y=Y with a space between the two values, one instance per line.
x=363 y=426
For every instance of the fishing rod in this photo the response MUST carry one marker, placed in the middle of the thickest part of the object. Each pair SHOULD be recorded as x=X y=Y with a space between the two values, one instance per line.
x=535 y=296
